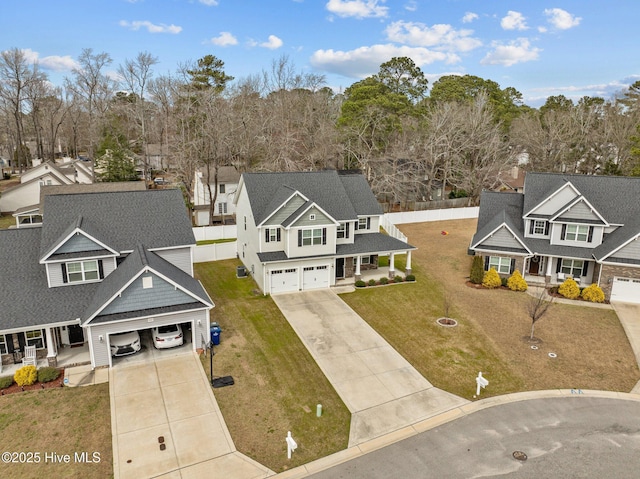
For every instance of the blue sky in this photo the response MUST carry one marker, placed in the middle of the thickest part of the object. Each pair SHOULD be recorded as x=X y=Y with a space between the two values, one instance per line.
x=539 y=47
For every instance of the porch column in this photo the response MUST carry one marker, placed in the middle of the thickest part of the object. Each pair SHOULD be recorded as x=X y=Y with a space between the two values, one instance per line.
x=392 y=265
x=358 y=275
x=408 y=270
x=52 y=354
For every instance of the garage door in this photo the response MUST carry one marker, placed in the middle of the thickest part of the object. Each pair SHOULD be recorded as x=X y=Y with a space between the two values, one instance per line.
x=626 y=290
x=315 y=277
x=284 y=280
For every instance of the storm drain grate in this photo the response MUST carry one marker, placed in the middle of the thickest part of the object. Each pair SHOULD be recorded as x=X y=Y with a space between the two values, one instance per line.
x=519 y=455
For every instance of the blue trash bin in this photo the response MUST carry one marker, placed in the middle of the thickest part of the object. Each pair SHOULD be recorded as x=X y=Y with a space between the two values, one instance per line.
x=215 y=333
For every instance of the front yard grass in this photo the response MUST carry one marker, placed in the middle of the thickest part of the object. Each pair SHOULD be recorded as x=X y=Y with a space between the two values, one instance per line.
x=277 y=383
x=591 y=347
x=6 y=221
x=61 y=421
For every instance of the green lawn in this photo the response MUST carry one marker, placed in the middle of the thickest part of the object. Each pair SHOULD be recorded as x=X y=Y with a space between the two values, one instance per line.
x=277 y=383
x=6 y=221
x=205 y=242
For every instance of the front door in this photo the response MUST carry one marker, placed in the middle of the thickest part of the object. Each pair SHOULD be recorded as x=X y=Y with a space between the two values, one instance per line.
x=76 y=335
x=339 y=268
x=534 y=265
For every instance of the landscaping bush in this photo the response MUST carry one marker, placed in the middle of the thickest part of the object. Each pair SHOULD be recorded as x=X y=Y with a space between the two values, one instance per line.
x=384 y=280
x=503 y=281
x=410 y=277
x=360 y=284
x=48 y=374
x=569 y=289
x=372 y=282
x=477 y=270
x=593 y=293
x=5 y=382
x=25 y=376
x=397 y=279
x=491 y=279
x=516 y=282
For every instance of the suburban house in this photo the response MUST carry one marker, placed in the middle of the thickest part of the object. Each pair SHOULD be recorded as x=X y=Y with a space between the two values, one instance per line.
x=99 y=264
x=565 y=225
x=27 y=193
x=222 y=194
x=307 y=230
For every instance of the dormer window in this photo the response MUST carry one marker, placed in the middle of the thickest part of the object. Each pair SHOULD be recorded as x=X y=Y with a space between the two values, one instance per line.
x=577 y=233
x=540 y=227
x=312 y=217
x=82 y=271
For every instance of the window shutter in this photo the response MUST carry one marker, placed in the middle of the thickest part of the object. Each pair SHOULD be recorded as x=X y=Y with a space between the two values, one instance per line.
x=266 y=235
x=278 y=234
x=513 y=266
x=559 y=265
x=585 y=268
x=64 y=273
x=299 y=237
x=531 y=223
x=368 y=223
x=486 y=263
x=546 y=228
x=346 y=234
x=324 y=235
x=590 y=237
x=564 y=232
x=100 y=269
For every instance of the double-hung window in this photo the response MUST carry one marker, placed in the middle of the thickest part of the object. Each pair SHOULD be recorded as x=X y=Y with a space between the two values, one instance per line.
x=342 y=231
x=577 y=233
x=272 y=234
x=222 y=208
x=34 y=338
x=82 y=271
x=500 y=263
x=312 y=237
x=539 y=227
x=572 y=267
x=363 y=223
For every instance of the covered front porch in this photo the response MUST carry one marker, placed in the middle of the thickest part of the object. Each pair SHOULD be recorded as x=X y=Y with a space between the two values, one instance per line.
x=553 y=270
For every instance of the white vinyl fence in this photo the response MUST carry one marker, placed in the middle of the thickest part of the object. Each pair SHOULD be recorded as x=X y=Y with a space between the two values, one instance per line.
x=432 y=215
x=215 y=251
x=205 y=233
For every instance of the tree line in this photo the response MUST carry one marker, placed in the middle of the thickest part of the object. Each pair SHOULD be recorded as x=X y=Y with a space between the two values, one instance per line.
x=407 y=137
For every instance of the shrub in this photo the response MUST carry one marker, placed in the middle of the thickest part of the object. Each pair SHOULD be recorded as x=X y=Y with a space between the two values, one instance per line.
x=397 y=279
x=48 y=374
x=569 y=289
x=360 y=284
x=372 y=282
x=5 y=382
x=516 y=282
x=477 y=270
x=491 y=279
x=384 y=280
x=26 y=376
x=503 y=281
x=593 y=293
x=410 y=277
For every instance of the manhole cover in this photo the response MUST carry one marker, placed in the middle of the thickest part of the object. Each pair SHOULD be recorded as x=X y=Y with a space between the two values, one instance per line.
x=519 y=455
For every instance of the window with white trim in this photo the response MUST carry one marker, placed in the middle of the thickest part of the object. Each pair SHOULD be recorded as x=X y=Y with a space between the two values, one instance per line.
x=572 y=267
x=341 y=231
x=4 y=349
x=501 y=264
x=82 y=271
x=273 y=234
x=363 y=260
x=312 y=237
x=34 y=338
x=539 y=227
x=222 y=208
x=222 y=187
x=577 y=233
x=312 y=217
x=362 y=223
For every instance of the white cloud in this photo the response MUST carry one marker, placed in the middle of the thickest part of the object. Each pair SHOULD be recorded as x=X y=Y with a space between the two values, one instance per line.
x=357 y=8
x=469 y=17
x=365 y=61
x=411 y=6
x=561 y=19
x=517 y=51
x=209 y=3
x=441 y=37
x=224 y=39
x=151 y=27
x=273 y=43
x=514 y=21
x=51 y=62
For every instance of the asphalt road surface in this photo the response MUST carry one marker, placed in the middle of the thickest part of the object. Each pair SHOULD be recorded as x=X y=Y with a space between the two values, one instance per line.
x=574 y=437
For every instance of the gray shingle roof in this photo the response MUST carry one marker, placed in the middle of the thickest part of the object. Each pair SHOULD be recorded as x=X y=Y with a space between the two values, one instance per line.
x=343 y=196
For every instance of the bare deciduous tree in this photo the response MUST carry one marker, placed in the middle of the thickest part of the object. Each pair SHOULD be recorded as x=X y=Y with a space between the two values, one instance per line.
x=537 y=307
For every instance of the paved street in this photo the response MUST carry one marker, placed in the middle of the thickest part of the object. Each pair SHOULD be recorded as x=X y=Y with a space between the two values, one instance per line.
x=565 y=437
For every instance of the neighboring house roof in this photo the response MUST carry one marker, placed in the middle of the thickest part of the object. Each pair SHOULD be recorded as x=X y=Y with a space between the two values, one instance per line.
x=343 y=195
x=78 y=188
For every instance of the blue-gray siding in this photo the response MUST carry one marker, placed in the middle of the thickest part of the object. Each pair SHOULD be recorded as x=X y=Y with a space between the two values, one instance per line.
x=630 y=251
x=579 y=211
x=77 y=243
x=286 y=211
x=501 y=238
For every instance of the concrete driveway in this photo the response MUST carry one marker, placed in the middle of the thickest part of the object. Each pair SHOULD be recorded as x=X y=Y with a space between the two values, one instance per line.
x=169 y=401
x=381 y=389
x=629 y=316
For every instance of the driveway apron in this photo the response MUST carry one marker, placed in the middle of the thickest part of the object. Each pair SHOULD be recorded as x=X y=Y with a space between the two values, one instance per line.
x=165 y=422
x=380 y=388
x=629 y=316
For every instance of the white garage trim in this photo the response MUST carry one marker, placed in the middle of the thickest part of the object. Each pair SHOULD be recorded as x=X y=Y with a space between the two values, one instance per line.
x=283 y=280
x=315 y=277
x=625 y=290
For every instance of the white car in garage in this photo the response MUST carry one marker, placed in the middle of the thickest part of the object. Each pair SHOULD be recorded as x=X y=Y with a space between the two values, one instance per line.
x=168 y=336
x=125 y=343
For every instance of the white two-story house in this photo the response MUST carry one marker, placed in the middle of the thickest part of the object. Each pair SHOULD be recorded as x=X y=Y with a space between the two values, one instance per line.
x=101 y=263
x=580 y=226
x=306 y=230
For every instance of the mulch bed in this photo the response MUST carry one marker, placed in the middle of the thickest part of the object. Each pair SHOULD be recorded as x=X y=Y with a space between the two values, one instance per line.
x=14 y=388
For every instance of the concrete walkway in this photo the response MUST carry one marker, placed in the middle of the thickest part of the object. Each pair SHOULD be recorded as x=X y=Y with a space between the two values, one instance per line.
x=381 y=389
x=169 y=401
x=629 y=316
